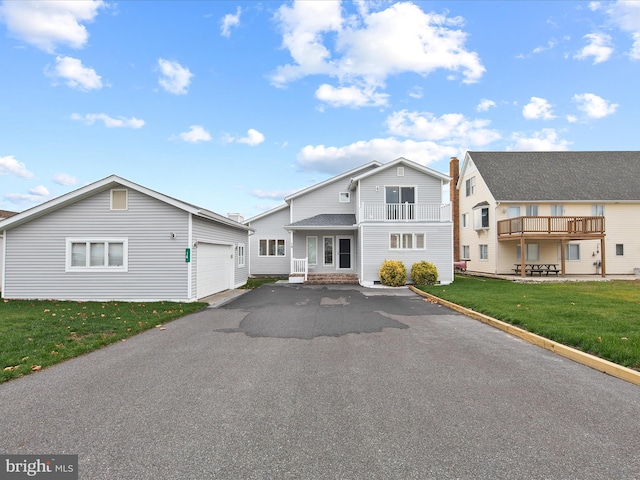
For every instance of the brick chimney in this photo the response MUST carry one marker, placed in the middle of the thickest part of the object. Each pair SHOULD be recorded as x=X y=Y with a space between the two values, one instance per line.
x=454 y=196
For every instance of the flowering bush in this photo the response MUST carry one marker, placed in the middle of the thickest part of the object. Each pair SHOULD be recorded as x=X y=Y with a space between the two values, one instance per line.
x=393 y=273
x=424 y=273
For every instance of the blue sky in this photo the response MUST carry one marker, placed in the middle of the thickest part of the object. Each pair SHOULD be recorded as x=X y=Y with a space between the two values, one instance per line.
x=233 y=105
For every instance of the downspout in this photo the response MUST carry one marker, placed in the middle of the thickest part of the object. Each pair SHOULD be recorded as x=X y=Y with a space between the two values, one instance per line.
x=495 y=238
x=4 y=260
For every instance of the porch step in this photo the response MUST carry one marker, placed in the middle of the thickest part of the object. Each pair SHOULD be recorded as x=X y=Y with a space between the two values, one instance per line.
x=332 y=278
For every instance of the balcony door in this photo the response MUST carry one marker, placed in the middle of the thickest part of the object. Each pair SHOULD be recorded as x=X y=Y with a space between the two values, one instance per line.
x=400 y=202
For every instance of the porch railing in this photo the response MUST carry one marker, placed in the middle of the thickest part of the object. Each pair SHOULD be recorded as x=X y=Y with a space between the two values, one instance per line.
x=405 y=212
x=551 y=225
x=300 y=266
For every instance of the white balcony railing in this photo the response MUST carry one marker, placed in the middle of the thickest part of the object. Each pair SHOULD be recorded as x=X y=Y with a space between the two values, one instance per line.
x=405 y=212
x=299 y=267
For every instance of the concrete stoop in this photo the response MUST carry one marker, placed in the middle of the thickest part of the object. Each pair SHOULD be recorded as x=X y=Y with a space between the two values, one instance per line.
x=332 y=279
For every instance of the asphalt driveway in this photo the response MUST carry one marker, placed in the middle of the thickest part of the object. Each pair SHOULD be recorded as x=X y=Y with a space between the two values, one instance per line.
x=315 y=382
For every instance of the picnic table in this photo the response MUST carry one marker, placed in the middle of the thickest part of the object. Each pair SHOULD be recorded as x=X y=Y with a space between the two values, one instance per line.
x=539 y=268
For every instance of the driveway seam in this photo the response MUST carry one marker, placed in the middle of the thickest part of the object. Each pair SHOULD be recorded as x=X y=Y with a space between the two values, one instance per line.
x=597 y=363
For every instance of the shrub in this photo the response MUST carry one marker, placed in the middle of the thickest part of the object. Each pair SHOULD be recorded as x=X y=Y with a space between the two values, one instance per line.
x=393 y=273
x=424 y=273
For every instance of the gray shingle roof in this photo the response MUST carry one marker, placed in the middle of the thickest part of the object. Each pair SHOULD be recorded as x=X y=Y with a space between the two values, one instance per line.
x=566 y=176
x=327 y=220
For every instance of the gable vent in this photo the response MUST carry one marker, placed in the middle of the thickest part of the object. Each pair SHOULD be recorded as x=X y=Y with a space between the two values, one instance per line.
x=401 y=171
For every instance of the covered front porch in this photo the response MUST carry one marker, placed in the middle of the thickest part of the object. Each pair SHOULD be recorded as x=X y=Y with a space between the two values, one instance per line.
x=323 y=249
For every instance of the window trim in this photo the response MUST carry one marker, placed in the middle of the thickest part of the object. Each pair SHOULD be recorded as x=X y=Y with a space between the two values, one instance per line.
x=477 y=218
x=468 y=252
x=126 y=199
x=284 y=249
x=102 y=268
x=486 y=250
x=414 y=240
x=324 y=251
x=344 y=197
x=242 y=255
x=470 y=186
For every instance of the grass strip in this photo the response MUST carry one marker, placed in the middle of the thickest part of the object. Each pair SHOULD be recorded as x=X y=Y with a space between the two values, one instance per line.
x=600 y=318
x=35 y=334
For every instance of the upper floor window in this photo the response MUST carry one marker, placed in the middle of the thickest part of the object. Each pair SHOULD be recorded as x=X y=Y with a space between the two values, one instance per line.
x=597 y=210
x=465 y=220
x=470 y=186
x=514 y=211
x=400 y=202
x=532 y=210
x=119 y=199
x=557 y=210
x=481 y=218
x=345 y=197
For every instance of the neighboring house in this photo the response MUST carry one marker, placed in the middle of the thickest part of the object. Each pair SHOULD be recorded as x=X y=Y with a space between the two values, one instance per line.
x=3 y=214
x=116 y=240
x=349 y=224
x=577 y=210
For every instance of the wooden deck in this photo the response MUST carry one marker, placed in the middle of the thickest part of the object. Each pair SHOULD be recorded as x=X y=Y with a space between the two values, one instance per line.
x=550 y=227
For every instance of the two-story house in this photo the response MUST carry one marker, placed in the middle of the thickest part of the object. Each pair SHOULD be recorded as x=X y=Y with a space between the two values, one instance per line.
x=348 y=225
x=572 y=212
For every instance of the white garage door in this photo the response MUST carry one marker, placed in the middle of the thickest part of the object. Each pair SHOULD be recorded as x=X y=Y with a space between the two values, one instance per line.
x=215 y=266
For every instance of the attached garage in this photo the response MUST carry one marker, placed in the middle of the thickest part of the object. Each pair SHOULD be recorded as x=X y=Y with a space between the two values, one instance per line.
x=214 y=268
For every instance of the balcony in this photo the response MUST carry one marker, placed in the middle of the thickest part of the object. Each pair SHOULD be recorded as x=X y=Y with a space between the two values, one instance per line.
x=546 y=227
x=405 y=212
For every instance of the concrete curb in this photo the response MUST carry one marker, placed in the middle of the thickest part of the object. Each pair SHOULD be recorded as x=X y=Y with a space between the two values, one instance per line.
x=591 y=361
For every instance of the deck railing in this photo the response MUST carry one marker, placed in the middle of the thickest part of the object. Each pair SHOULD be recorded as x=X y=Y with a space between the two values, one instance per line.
x=405 y=212
x=551 y=225
x=300 y=266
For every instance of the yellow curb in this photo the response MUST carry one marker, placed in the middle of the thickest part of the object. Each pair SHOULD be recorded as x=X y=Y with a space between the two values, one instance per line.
x=587 y=359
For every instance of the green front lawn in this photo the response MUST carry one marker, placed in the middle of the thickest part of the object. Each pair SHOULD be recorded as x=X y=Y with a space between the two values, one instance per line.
x=601 y=318
x=35 y=334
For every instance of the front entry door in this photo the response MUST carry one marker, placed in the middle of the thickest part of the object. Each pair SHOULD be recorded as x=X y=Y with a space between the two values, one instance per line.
x=344 y=253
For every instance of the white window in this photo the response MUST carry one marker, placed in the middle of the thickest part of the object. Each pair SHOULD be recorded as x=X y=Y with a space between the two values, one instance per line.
x=312 y=250
x=345 y=197
x=484 y=252
x=465 y=220
x=119 y=199
x=532 y=210
x=327 y=245
x=571 y=252
x=271 y=248
x=597 y=210
x=531 y=252
x=514 y=211
x=466 y=252
x=97 y=255
x=241 y=255
x=481 y=218
x=470 y=186
x=406 y=241
x=557 y=210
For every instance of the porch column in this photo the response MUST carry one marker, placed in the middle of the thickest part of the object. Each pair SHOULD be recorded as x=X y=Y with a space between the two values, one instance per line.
x=522 y=272
x=562 y=259
x=604 y=269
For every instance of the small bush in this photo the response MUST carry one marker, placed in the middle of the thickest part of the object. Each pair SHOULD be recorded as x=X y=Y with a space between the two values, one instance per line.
x=393 y=273
x=424 y=273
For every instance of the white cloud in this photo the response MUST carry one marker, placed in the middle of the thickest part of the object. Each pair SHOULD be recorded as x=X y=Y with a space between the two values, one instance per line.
x=65 y=179
x=271 y=194
x=75 y=74
x=196 y=134
x=174 y=78
x=599 y=48
x=10 y=166
x=626 y=16
x=338 y=159
x=351 y=96
x=485 y=105
x=50 y=23
x=40 y=191
x=109 y=122
x=253 y=138
x=415 y=92
x=538 y=108
x=228 y=21
x=450 y=128
x=370 y=46
x=543 y=141
x=594 y=106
